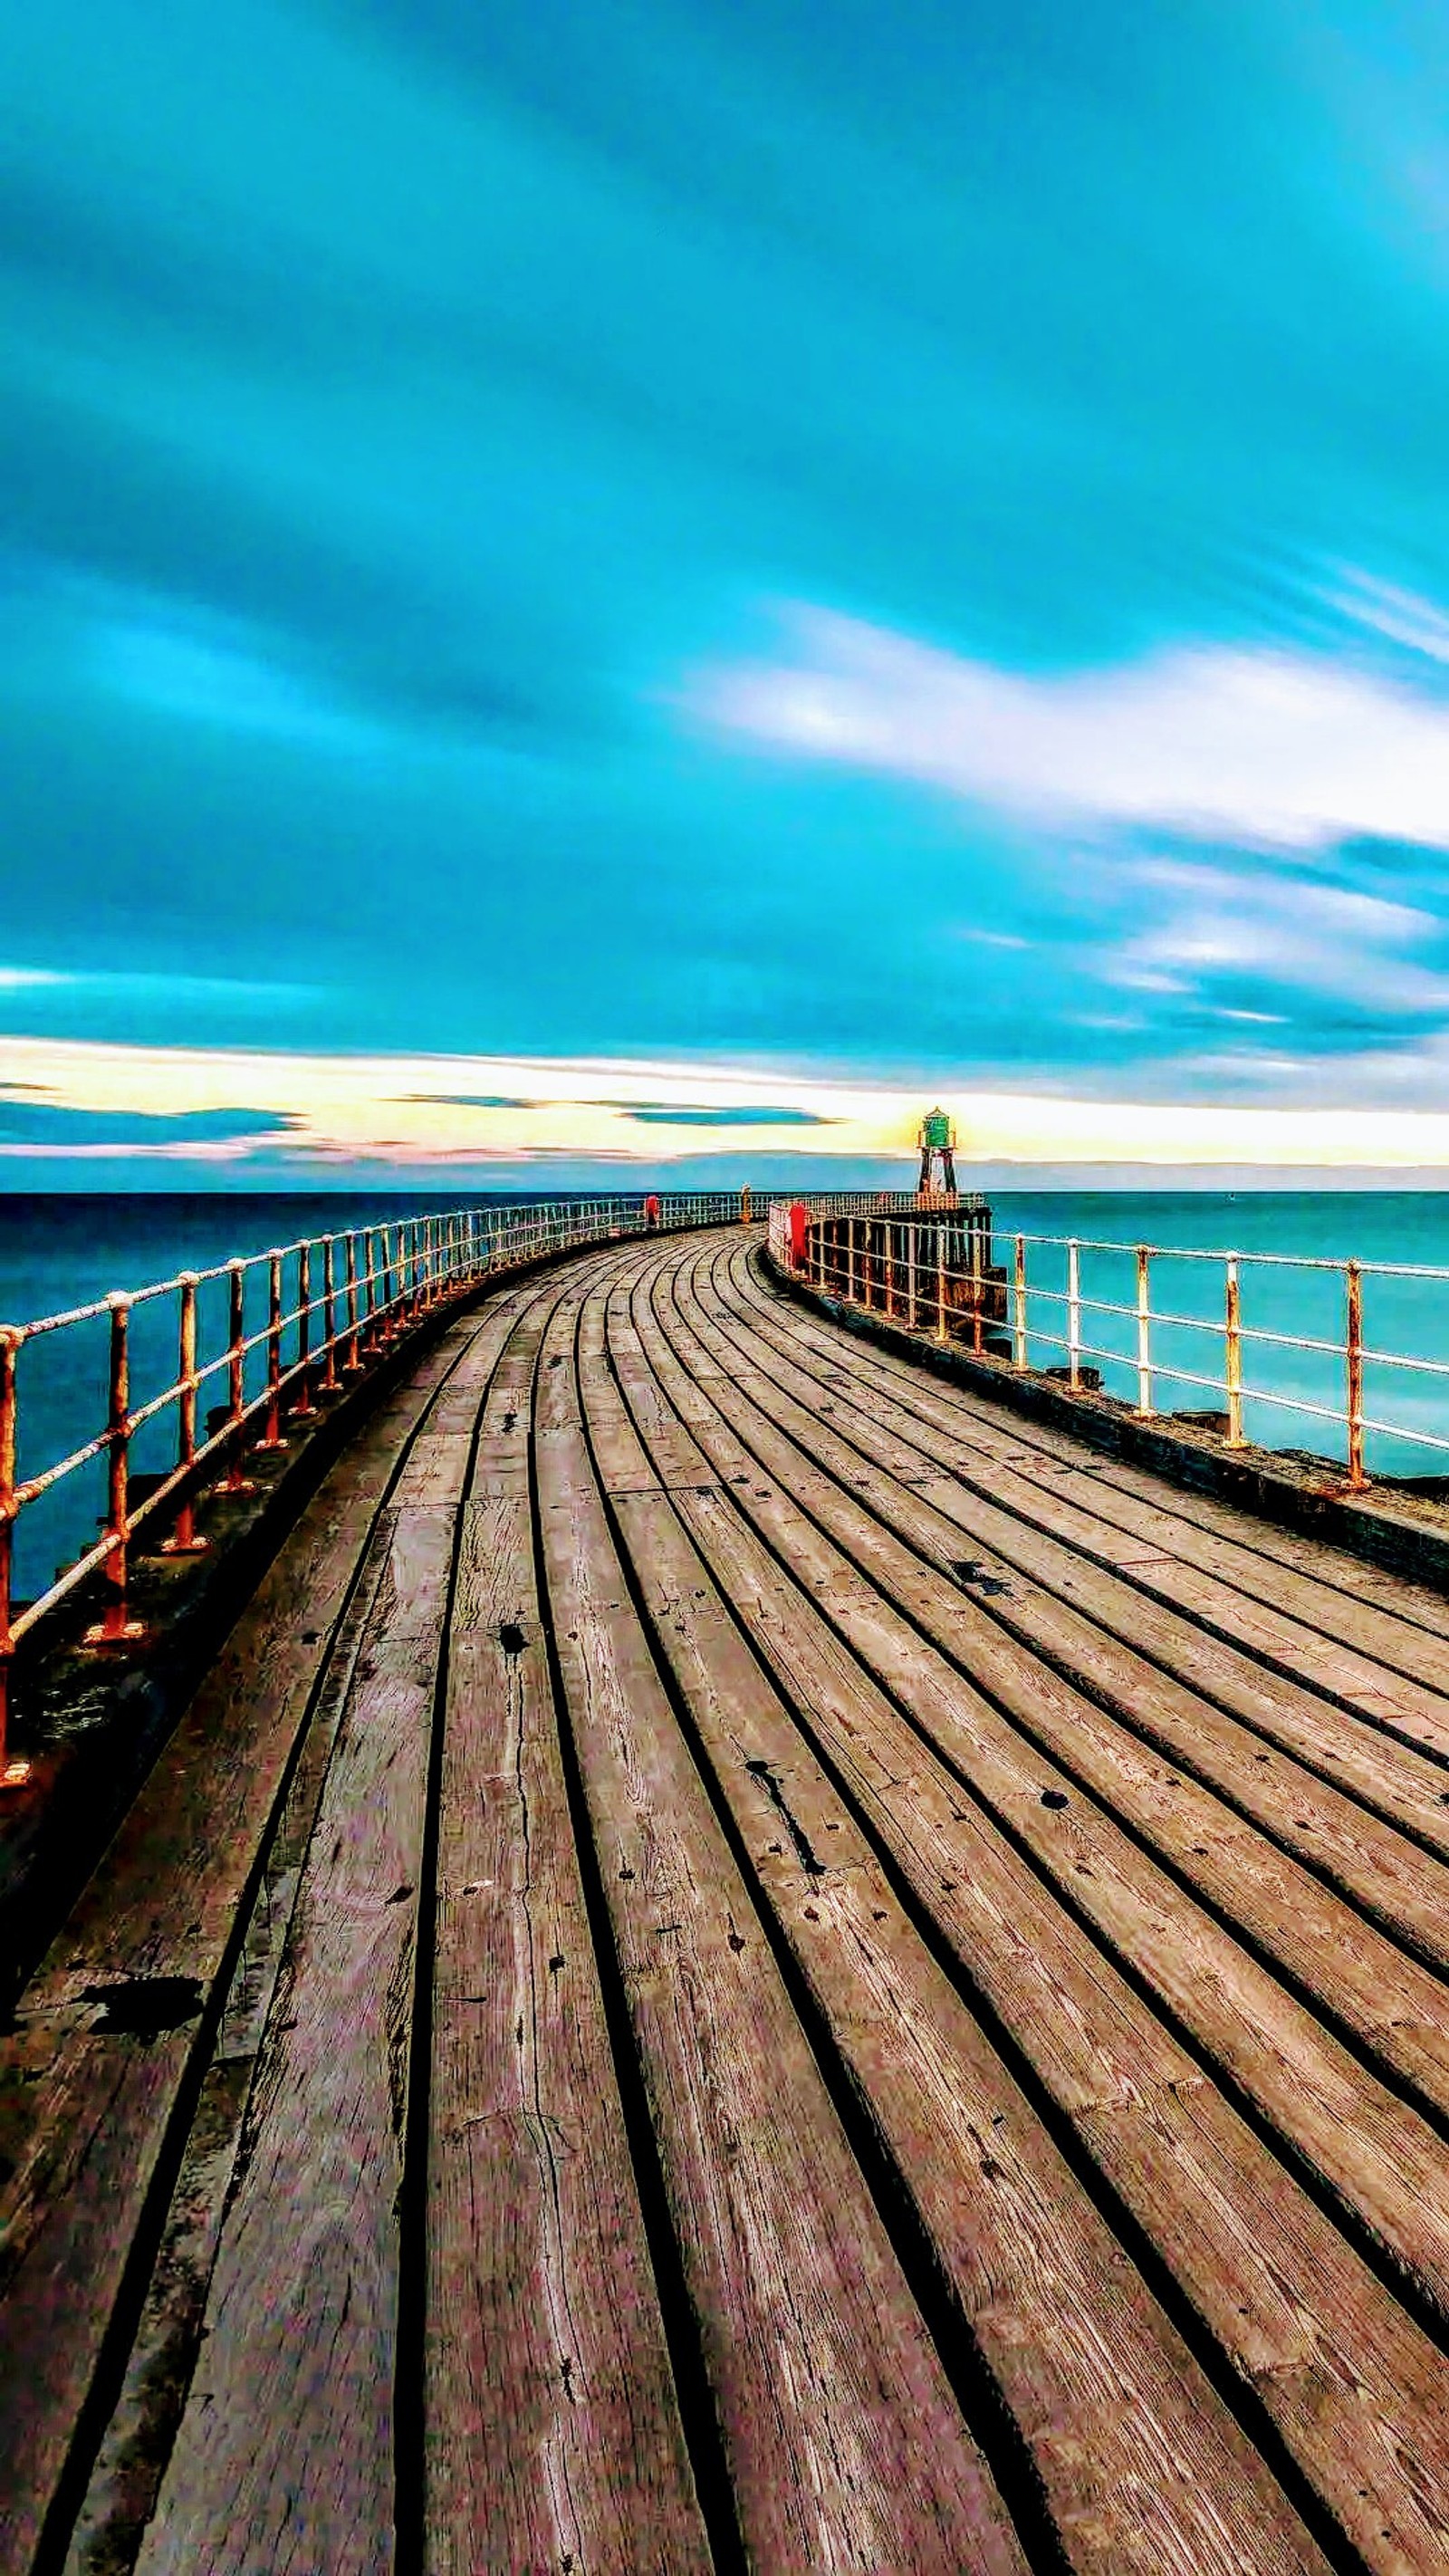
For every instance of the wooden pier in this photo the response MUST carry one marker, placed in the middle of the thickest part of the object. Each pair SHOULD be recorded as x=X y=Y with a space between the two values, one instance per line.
x=748 y=1959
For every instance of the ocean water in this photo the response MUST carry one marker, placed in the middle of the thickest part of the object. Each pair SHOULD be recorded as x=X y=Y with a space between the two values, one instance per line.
x=1408 y=1316
x=59 y=1252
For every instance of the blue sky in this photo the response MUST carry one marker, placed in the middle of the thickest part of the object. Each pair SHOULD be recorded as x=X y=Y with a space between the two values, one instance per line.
x=813 y=545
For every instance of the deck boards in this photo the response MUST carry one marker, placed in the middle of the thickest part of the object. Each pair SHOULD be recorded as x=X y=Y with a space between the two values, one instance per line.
x=552 y=2420
x=772 y=1965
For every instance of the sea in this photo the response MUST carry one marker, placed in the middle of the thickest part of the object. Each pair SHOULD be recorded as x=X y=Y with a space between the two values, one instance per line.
x=59 y=1252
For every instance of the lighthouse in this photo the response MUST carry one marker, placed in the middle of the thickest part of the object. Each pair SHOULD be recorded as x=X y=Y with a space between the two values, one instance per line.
x=938 y=1154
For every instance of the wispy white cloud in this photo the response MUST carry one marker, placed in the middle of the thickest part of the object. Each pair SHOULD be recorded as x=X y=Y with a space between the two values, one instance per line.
x=1401 y=615
x=126 y=985
x=1278 y=929
x=1284 y=749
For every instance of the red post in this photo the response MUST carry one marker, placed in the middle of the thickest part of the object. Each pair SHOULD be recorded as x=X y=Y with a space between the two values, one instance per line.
x=184 y=1540
x=14 y=1772
x=114 y=1627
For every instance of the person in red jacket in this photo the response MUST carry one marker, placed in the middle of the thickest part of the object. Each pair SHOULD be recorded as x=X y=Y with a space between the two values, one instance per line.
x=651 y=1214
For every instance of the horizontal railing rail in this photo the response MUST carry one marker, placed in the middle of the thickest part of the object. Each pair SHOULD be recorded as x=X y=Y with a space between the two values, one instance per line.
x=872 y=1202
x=935 y=1270
x=334 y=1304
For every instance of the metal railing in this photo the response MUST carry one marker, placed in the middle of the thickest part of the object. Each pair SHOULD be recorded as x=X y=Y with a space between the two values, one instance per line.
x=871 y=1203
x=935 y=1272
x=334 y=1305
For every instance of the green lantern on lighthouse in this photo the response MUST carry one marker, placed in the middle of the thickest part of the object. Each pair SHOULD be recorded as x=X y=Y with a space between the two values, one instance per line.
x=938 y=1143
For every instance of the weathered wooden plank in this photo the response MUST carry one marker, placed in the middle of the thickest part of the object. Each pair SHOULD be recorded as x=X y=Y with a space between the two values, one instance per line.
x=553 y=2435
x=844 y=2444
x=1140 y=2464
x=124 y=2483
x=1291 y=2306
x=90 y=2084
x=285 y=2452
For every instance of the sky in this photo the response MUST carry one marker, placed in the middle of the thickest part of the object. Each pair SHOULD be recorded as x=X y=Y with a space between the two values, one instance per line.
x=649 y=587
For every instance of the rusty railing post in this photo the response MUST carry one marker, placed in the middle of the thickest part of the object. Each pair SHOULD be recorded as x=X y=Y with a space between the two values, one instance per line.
x=977 y=1288
x=14 y=1770
x=912 y=1266
x=353 y=1362
x=1074 y=1313
x=940 y=1280
x=184 y=1540
x=1144 y=1330
x=115 y=1626
x=236 y=1481
x=368 y=1343
x=1233 y=1352
x=1353 y=1355
x=304 y=1408
x=389 y=1320
x=329 y=1321
x=272 y=1436
x=745 y=1204
x=1018 y=1300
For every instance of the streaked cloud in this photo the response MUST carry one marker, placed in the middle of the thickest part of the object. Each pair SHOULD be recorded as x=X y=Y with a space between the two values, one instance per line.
x=1214 y=922
x=1270 y=747
x=28 y=1125
x=407 y=415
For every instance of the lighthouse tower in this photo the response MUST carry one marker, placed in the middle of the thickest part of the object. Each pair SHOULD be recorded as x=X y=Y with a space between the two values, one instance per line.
x=938 y=1144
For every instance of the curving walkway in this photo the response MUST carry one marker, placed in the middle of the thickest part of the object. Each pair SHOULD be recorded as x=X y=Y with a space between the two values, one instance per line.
x=749 y=1959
